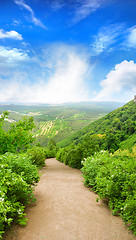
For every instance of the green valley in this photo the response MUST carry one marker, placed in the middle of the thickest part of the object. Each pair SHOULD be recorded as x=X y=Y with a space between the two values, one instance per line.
x=59 y=121
x=98 y=138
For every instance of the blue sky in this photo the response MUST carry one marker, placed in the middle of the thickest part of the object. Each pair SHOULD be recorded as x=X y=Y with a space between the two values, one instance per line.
x=55 y=51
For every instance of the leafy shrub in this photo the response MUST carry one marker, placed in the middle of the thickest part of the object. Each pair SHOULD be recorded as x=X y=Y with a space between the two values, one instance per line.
x=74 y=154
x=14 y=193
x=18 y=138
x=49 y=153
x=37 y=156
x=60 y=154
x=51 y=149
x=113 y=177
x=21 y=165
x=91 y=167
x=74 y=157
x=17 y=179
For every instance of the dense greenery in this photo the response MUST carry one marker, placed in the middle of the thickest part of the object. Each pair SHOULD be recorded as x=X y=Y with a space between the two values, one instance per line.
x=17 y=179
x=58 y=122
x=118 y=126
x=74 y=154
x=39 y=154
x=18 y=170
x=113 y=177
x=115 y=130
x=19 y=161
x=107 y=168
x=97 y=148
x=18 y=138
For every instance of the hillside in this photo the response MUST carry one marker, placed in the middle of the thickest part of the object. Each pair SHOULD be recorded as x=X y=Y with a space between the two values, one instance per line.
x=59 y=121
x=118 y=126
x=110 y=173
x=105 y=151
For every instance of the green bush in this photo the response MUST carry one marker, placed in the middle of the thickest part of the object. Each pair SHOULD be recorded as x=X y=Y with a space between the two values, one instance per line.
x=50 y=153
x=60 y=154
x=51 y=149
x=22 y=165
x=74 y=154
x=70 y=156
x=113 y=177
x=74 y=157
x=18 y=138
x=17 y=179
x=91 y=167
x=37 y=155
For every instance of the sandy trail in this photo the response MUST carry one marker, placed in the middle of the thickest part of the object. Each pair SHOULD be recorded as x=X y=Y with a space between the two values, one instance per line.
x=66 y=210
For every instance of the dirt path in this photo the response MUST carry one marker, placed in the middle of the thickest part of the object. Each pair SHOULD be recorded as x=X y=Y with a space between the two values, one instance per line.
x=66 y=210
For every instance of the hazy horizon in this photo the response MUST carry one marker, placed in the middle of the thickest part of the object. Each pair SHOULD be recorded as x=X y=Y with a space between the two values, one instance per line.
x=63 y=103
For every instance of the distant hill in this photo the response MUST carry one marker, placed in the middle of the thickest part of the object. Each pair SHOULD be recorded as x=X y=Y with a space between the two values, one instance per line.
x=61 y=120
x=119 y=125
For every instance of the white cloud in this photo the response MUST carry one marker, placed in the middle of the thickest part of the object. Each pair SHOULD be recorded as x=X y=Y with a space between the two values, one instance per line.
x=106 y=38
x=120 y=83
x=35 y=20
x=10 y=34
x=86 y=7
x=65 y=83
x=16 y=23
x=114 y=35
x=11 y=55
x=131 y=41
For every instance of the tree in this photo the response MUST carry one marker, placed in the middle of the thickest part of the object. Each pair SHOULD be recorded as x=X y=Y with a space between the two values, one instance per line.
x=111 y=142
x=3 y=116
x=18 y=137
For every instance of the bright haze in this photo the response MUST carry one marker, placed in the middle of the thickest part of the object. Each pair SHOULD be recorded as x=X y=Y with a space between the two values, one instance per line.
x=55 y=51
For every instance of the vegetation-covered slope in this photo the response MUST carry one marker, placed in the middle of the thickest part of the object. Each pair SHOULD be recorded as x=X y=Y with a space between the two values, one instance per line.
x=115 y=127
x=59 y=121
x=106 y=152
x=97 y=149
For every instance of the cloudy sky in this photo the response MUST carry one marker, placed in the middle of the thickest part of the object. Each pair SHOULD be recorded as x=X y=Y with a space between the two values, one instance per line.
x=55 y=51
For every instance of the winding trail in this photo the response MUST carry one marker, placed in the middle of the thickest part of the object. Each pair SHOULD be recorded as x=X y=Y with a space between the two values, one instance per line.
x=67 y=210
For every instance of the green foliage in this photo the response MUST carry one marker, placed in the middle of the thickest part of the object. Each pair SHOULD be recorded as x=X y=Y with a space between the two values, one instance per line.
x=18 y=172
x=60 y=122
x=22 y=165
x=74 y=157
x=129 y=143
x=111 y=142
x=74 y=154
x=70 y=156
x=113 y=177
x=18 y=138
x=3 y=116
x=37 y=156
x=17 y=180
x=117 y=126
x=51 y=149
